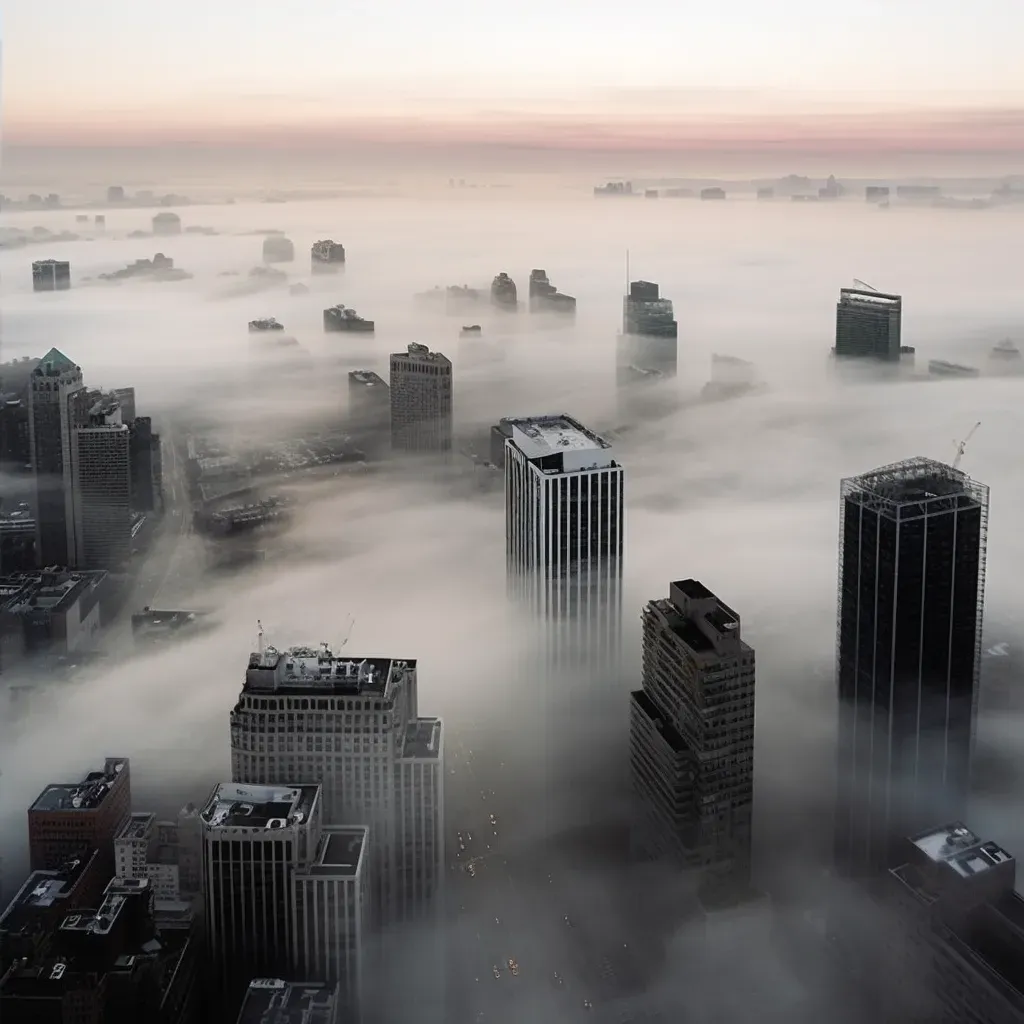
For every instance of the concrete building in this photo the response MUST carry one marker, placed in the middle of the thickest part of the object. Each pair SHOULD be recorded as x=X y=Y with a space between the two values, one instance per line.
x=284 y=1002
x=146 y=458
x=954 y=953
x=868 y=325
x=564 y=534
x=692 y=735
x=58 y=406
x=51 y=275
x=911 y=592
x=356 y=731
x=46 y=899
x=369 y=403
x=102 y=482
x=278 y=249
x=331 y=906
x=649 y=340
x=255 y=840
x=326 y=256
x=421 y=400
x=69 y=819
x=104 y=964
x=143 y=848
x=52 y=611
x=166 y=223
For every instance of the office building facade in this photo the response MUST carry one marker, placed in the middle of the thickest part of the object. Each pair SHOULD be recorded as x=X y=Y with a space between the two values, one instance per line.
x=868 y=325
x=692 y=735
x=648 y=346
x=357 y=732
x=102 y=483
x=421 y=400
x=51 y=275
x=146 y=466
x=58 y=406
x=911 y=592
x=952 y=945
x=331 y=906
x=564 y=533
x=69 y=819
x=255 y=840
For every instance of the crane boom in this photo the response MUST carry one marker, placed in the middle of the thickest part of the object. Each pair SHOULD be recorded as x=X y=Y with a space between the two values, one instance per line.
x=961 y=446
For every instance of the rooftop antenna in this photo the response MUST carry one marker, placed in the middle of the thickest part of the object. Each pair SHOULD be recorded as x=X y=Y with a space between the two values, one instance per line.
x=259 y=637
x=961 y=446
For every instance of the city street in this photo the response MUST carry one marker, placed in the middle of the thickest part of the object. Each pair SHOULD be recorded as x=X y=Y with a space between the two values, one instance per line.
x=535 y=935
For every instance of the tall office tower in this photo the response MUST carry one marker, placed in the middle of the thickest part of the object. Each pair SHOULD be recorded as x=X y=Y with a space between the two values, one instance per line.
x=868 y=325
x=57 y=407
x=564 y=534
x=911 y=590
x=146 y=465
x=648 y=345
x=102 y=483
x=421 y=400
x=68 y=819
x=331 y=904
x=255 y=840
x=125 y=398
x=691 y=734
x=951 y=947
x=51 y=275
x=356 y=732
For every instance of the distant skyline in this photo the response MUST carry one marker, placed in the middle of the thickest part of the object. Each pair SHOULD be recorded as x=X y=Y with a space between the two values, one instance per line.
x=902 y=76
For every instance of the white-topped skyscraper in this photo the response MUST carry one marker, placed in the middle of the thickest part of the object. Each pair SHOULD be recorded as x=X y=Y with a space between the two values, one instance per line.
x=564 y=534
x=353 y=727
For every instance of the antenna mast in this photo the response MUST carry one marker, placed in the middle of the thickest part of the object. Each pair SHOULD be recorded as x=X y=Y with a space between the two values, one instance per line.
x=627 y=271
x=259 y=637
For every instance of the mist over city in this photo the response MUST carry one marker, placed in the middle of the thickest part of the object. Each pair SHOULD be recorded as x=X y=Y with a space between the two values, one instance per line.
x=508 y=533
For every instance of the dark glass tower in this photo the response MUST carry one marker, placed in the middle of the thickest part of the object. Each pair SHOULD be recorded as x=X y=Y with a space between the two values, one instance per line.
x=911 y=589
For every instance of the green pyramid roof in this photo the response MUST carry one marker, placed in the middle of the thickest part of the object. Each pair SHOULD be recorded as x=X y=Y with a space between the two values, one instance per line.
x=55 y=362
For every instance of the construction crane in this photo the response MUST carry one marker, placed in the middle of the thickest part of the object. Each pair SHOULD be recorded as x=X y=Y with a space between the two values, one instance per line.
x=348 y=632
x=858 y=283
x=962 y=445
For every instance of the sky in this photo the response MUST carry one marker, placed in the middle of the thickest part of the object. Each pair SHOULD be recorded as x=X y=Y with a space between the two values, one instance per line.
x=577 y=74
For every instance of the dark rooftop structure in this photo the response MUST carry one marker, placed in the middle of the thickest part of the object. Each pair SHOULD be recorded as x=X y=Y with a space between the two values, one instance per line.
x=273 y=1001
x=423 y=738
x=340 y=851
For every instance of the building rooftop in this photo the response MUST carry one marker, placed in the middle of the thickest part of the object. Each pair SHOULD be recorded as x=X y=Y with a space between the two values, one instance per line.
x=86 y=795
x=863 y=296
x=42 y=891
x=51 y=590
x=957 y=847
x=103 y=920
x=319 y=671
x=914 y=487
x=272 y=1001
x=232 y=805
x=367 y=378
x=704 y=623
x=421 y=353
x=540 y=436
x=54 y=363
x=423 y=738
x=340 y=852
x=137 y=826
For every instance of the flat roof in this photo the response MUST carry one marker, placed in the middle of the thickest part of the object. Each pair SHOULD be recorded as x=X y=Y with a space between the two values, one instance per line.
x=421 y=353
x=551 y=435
x=340 y=851
x=317 y=670
x=49 y=590
x=368 y=378
x=86 y=795
x=137 y=826
x=41 y=892
x=232 y=805
x=273 y=1001
x=961 y=849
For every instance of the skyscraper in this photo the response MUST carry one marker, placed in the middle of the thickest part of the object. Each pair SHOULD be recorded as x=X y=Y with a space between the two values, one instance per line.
x=58 y=405
x=51 y=275
x=648 y=345
x=868 y=324
x=691 y=734
x=911 y=590
x=356 y=731
x=421 y=400
x=102 y=483
x=255 y=840
x=564 y=533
